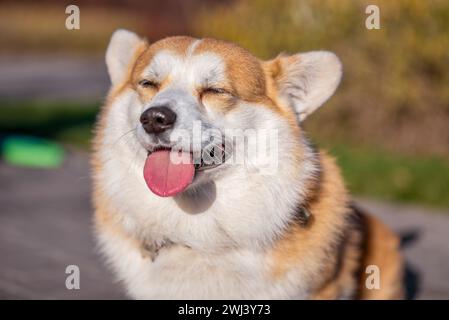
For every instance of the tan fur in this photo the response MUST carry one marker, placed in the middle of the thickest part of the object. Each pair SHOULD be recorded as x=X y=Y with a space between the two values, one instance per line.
x=329 y=214
x=336 y=250
x=273 y=70
x=318 y=242
x=382 y=250
x=115 y=92
x=245 y=74
x=177 y=45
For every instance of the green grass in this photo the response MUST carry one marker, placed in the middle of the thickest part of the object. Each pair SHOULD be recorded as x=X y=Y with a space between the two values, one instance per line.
x=65 y=122
x=369 y=171
x=385 y=175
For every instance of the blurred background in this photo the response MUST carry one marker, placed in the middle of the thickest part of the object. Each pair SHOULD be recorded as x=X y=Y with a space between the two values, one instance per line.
x=387 y=124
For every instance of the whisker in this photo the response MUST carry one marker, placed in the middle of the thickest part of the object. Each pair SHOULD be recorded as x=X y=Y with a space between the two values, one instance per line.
x=132 y=163
x=123 y=135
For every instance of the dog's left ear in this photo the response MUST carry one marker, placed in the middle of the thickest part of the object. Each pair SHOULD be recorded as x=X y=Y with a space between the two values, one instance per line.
x=122 y=48
x=305 y=81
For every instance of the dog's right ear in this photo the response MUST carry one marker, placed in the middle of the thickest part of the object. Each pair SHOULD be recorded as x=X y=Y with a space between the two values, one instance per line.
x=120 y=54
x=304 y=81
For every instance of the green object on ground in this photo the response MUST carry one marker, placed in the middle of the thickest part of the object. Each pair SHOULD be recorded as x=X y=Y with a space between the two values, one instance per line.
x=32 y=152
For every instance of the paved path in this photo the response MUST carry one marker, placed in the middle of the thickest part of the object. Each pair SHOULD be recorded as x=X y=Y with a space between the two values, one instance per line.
x=45 y=225
x=53 y=77
x=425 y=243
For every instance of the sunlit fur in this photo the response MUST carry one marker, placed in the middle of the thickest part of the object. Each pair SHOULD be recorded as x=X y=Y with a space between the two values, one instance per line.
x=234 y=234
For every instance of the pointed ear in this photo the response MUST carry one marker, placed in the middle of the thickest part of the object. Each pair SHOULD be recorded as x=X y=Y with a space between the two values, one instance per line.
x=120 y=53
x=305 y=80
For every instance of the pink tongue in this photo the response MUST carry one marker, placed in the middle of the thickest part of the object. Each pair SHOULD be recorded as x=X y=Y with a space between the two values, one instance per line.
x=166 y=178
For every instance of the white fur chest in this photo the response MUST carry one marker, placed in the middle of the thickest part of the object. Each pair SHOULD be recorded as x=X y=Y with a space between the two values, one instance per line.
x=182 y=273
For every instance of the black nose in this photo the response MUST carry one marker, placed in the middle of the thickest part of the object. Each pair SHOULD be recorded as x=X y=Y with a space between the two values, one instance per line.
x=157 y=119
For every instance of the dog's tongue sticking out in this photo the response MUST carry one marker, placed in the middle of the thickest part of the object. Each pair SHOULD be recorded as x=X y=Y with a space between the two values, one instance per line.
x=167 y=173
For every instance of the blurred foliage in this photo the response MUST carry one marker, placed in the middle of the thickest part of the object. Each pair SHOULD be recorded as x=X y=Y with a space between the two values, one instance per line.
x=66 y=122
x=41 y=27
x=29 y=25
x=394 y=91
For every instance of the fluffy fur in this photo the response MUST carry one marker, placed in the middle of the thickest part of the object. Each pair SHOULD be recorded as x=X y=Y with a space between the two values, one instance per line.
x=239 y=231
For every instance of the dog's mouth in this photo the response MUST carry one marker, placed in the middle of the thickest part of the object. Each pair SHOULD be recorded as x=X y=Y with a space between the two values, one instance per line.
x=168 y=172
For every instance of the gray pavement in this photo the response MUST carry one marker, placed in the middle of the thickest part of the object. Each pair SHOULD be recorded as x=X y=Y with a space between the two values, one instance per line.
x=45 y=225
x=53 y=77
x=425 y=244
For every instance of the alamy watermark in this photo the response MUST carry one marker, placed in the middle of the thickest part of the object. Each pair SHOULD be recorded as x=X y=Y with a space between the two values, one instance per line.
x=372 y=281
x=72 y=22
x=72 y=282
x=373 y=19
x=254 y=148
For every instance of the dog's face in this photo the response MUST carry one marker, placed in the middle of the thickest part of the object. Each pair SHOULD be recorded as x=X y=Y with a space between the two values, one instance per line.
x=180 y=97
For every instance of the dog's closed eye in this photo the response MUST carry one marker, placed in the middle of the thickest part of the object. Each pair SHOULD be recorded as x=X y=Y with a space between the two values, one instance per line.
x=212 y=90
x=145 y=83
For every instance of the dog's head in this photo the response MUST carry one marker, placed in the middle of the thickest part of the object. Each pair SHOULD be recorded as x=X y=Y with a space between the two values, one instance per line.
x=197 y=107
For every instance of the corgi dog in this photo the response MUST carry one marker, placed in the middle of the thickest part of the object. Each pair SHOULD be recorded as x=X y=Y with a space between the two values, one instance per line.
x=172 y=225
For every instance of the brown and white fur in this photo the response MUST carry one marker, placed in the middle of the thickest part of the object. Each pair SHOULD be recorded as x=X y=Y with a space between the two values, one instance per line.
x=236 y=232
